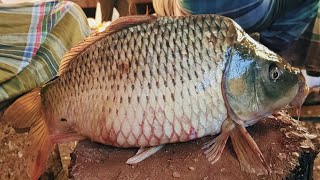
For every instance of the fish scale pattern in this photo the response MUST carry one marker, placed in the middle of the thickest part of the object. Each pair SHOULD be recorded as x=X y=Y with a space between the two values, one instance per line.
x=149 y=84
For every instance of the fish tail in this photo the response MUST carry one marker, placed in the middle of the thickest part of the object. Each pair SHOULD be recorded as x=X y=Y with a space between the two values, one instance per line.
x=27 y=112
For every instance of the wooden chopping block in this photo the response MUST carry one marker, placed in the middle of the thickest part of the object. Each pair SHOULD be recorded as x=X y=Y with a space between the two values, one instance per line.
x=287 y=147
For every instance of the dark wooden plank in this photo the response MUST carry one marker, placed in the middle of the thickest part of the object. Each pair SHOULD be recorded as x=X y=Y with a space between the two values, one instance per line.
x=308 y=113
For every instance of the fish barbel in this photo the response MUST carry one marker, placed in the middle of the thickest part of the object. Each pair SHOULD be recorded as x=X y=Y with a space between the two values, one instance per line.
x=147 y=81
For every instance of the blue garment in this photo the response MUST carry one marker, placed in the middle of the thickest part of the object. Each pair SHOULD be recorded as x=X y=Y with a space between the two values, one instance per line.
x=278 y=21
x=291 y=25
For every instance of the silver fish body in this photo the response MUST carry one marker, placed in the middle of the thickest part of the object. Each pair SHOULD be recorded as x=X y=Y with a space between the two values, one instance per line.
x=148 y=85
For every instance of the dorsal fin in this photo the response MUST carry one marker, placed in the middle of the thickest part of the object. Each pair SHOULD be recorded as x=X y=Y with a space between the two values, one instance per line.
x=118 y=25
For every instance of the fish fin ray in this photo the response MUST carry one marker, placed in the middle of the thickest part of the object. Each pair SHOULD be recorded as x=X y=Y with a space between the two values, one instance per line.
x=215 y=147
x=143 y=153
x=209 y=143
x=16 y=113
x=248 y=153
x=26 y=112
x=42 y=145
x=117 y=25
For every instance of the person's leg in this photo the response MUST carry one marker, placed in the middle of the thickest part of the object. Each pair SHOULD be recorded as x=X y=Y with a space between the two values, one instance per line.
x=305 y=52
x=312 y=63
x=34 y=37
x=122 y=7
x=107 y=9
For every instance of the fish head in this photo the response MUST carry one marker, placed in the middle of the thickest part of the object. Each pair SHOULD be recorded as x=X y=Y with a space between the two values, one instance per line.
x=257 y=82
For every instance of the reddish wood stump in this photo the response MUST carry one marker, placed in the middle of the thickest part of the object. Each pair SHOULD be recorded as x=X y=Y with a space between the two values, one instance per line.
x=285 y=144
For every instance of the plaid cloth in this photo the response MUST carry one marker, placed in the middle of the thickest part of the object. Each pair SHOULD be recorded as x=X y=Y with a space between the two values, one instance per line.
x=34 y=36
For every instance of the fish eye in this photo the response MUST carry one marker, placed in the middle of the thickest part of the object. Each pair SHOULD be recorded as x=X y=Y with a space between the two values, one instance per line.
x=274 y=72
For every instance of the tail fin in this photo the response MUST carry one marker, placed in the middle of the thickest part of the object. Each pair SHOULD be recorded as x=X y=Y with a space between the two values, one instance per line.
x=27 y=112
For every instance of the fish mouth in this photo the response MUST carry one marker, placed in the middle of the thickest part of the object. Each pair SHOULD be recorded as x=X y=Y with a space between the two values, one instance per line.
x=302 y=93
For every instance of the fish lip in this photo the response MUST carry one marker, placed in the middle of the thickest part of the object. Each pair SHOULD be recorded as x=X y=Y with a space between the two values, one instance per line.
x=302 y=93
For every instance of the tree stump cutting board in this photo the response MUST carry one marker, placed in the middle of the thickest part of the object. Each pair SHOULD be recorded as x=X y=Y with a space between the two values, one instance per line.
x=287 y=147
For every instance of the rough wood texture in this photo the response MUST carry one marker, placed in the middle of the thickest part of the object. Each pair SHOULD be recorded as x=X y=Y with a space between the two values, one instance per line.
x=287 y=147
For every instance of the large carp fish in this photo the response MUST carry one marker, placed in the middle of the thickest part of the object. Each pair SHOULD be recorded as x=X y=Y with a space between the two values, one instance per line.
x=147 y=81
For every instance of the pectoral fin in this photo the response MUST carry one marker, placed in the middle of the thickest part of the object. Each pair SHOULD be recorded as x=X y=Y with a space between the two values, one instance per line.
x=143 y=153
x=248 y=153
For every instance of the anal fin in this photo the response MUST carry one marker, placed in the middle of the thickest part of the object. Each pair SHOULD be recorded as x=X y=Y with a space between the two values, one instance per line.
x=143 y=153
